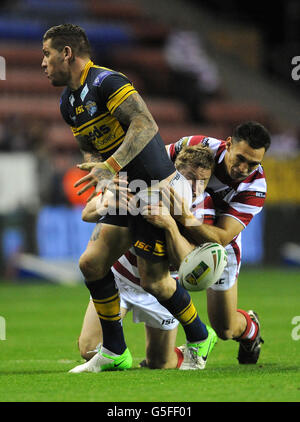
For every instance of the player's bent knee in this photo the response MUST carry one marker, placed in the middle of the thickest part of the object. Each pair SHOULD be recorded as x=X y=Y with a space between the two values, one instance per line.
x=91 y=267
x=154 y=285
x=148 y=287
x=156 y=289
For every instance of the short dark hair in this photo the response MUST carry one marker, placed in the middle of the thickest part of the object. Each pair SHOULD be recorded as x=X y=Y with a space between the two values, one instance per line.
x=255 y=134
x=69 y=34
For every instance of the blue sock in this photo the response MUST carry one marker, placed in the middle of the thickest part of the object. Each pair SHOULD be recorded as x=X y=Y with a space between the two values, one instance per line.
x=180 y=305
x=106 y=299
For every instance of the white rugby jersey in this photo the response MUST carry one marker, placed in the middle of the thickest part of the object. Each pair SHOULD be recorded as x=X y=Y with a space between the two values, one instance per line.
x=240 y=200
x=126 y=266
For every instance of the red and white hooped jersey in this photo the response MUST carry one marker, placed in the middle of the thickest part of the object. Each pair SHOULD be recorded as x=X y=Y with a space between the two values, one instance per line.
x=126 y=266
x=240 y=200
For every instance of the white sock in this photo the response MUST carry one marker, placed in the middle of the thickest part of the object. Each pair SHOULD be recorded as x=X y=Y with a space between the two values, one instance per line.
x=108 y=352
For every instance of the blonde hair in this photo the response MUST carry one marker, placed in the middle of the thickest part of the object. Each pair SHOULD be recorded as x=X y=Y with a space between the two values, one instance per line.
x=195 y=156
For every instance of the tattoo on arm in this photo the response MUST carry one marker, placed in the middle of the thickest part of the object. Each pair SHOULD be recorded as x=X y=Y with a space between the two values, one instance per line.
x=134 y=114
x=96 y=232
x=90 y=154
x=89 y=157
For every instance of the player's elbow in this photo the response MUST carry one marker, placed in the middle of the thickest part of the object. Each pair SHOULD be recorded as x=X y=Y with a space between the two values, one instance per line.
x=89 y=217
x=84 y=215
x=221 y=239
x=223 y=242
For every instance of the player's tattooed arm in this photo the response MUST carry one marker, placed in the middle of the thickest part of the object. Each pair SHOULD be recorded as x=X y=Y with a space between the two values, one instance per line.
x=96 y=233
x=90 y=155
x=134 y=114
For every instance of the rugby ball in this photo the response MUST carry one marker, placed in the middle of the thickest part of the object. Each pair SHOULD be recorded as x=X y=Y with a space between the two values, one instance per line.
x=202 y=267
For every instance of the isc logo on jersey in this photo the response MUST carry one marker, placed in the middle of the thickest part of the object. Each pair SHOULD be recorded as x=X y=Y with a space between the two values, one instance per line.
x=90 y=106
x=79 y=110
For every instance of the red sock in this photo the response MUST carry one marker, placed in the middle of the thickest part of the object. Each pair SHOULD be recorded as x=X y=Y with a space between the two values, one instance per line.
x=179 y=357
x=251 y=328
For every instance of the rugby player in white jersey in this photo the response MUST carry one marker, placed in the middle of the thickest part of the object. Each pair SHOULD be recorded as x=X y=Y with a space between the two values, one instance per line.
x=160 y=326
x=238 y=189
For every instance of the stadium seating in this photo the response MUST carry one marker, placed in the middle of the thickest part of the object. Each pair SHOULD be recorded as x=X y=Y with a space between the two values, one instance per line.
x=147 y=61
x=149 y=32
x=51 y=8
x=27 y=91
x=20 y=29
x=232 y=113
x=123 y=38
x=21 y=54
x=171 y=133
x=164 y=110
x=38 y=107
x=104 y=35
x=115 y=10
x=27 y=81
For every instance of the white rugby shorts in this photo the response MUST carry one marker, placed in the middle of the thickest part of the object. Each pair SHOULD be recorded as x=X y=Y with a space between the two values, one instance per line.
x=145 y=307
x=230 y=274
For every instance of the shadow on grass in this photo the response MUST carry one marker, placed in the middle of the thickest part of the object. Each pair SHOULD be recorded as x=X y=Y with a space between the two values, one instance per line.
x=61 y=371
x=255 y=369
x=267 y=368
x=33 y=372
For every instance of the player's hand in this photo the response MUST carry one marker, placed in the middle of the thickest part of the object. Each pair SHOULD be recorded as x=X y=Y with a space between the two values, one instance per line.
x=158 y=215
x=121 y=193
x=176 y=204
x=107 y=204
x=99 y=176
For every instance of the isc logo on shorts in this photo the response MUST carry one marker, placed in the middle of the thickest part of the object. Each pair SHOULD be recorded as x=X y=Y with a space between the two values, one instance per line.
x=142 y=245
x=168 y=321
x=159 y=248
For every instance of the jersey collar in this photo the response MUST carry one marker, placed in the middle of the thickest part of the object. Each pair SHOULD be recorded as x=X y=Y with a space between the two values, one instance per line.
x=86 y=71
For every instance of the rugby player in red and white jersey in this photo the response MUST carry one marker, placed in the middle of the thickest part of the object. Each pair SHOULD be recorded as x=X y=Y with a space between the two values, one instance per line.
x=238 y=189
x=160 y=325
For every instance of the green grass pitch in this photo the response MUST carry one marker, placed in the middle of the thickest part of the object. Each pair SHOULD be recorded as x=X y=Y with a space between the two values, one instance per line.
x=43 y=322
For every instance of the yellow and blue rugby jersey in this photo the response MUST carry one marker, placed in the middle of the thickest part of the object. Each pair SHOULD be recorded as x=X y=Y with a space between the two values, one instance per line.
x=89 y=111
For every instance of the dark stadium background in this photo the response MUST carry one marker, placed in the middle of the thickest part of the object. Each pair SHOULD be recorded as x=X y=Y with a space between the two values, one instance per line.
x=242 y=60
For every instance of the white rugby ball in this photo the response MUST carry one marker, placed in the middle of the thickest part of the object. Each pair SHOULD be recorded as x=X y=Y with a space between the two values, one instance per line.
x=202 y=267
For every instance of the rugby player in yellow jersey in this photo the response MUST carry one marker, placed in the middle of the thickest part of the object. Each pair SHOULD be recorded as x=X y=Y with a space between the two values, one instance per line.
x=116 y=132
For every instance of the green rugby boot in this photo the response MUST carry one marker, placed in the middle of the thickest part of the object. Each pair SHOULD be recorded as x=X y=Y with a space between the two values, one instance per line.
x=195 y=354
x=105 y=362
